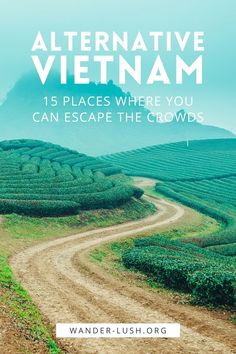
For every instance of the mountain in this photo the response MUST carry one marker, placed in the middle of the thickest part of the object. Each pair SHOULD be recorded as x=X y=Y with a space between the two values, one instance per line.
x=94 y=138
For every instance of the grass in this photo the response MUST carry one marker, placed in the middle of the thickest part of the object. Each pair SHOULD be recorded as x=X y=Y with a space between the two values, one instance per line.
x=98 y=255
x=25 y=313
x=233 y=320
x=18 y=232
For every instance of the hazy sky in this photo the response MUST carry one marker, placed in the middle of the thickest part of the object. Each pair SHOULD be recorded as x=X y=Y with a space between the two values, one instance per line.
x=20 y=21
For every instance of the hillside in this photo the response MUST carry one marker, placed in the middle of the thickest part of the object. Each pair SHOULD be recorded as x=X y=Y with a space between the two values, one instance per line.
x=201 y=175
x=27 y=96
x=179 y=161
x=43 y=179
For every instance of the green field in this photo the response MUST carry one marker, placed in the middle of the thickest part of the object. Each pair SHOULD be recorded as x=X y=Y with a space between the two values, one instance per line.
x=209 y=277
x=43 y=179
x=195 y=160
x=200 y=175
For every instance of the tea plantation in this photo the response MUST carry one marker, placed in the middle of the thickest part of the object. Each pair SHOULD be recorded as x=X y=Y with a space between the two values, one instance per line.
x=195 y=160
x=43 y=179
x=201 y=175
x=209 y=277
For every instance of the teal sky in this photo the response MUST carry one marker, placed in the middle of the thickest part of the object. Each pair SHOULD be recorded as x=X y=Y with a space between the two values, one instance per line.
x=20 y=21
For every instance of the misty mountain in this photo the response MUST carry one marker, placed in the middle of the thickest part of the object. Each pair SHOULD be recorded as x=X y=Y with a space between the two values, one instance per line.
x=27 y=97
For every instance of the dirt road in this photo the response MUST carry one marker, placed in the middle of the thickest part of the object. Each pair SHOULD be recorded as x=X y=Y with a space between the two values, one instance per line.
x=67 y=287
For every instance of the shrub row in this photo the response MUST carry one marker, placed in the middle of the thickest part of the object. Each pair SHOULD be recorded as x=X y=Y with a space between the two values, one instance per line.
x=226 y=250
x=21 y=203
x=223 y=236
x=206 y=276
x=167 y=162
x=39 y=207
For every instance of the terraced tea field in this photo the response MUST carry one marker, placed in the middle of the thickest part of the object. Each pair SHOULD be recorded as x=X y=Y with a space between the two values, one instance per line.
x=197 y=160
x=221 y=190
x=43 y=179
x=201 y=175
x=180 y=266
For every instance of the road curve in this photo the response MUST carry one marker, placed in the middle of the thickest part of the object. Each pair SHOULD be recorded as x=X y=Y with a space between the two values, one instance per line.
x=67 y=287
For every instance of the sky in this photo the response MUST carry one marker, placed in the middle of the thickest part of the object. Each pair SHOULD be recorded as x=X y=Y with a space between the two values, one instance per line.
x=20 y=21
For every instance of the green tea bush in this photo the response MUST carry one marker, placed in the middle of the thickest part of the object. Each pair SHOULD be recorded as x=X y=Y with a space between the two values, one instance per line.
x=209 y=277
x=39 y=207
x=200 y=174
x=197 y=160
x=44 y=179
x=227 y=250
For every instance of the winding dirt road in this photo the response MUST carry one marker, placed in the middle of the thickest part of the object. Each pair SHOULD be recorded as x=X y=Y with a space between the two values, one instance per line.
x=67 y=287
